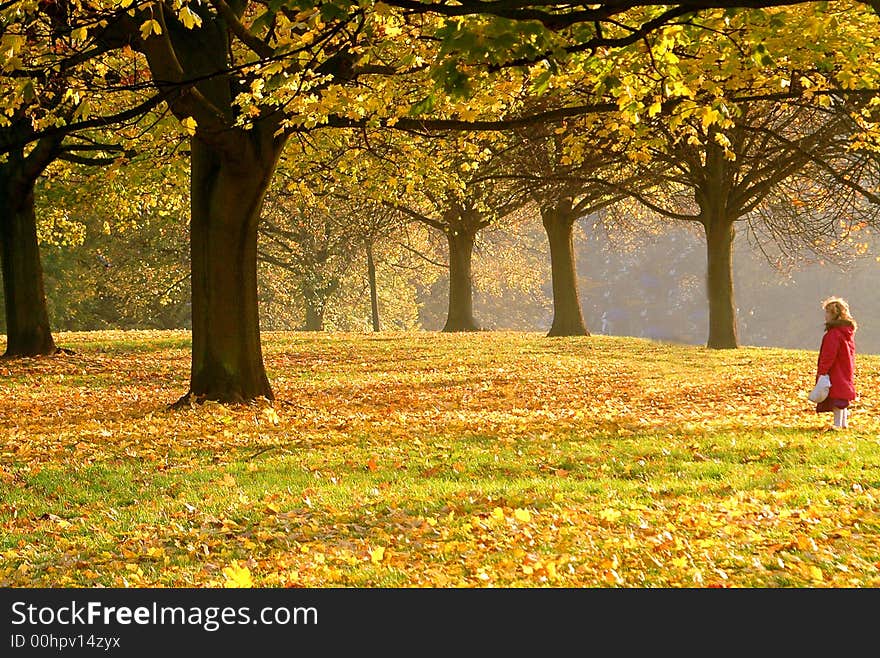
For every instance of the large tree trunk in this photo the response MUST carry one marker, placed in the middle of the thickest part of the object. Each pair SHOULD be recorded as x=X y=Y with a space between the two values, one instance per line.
x=374 y=295
x=27 y=319
x=230 y=170
x=460 y=316
x=719 y=283
x=568 y=319
x=228 y=186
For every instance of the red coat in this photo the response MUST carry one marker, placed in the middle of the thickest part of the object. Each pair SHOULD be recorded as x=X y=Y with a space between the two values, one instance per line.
x=837 y=357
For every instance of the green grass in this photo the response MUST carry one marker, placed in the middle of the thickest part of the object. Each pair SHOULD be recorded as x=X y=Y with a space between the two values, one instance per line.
x=436 y=460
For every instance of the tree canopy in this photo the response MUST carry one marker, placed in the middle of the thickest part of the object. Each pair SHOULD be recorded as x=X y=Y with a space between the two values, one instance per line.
x=243 y=77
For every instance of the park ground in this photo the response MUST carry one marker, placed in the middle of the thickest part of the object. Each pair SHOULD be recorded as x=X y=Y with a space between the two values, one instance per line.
x=423 y=459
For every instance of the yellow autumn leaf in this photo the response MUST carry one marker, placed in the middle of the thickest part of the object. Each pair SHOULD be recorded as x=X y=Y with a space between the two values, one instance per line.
x=189 y=18
x=710 y=116
x=189 y=124
x=522 y=515
x=149 y=27
x=498 y=514
x=237 y=575
x=377 y=555
x=609 y=515
x=805 y=543
x=610 y=563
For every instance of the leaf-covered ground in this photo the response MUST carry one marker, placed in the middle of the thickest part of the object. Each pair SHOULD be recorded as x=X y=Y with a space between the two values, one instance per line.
x=437 y=460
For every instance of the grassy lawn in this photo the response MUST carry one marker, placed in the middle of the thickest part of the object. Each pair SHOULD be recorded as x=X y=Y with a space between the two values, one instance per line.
x=435 y=460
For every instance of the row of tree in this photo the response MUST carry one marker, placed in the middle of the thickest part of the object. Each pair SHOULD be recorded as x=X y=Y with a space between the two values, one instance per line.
x=646 y=283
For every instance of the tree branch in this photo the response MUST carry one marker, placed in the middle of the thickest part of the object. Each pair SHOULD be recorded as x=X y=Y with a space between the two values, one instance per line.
x=238 y=29
x=418 y=253
x=415 y=215
x=41 y=156
x=78 y=159
x=648 y=204
x=95 y=122
x=168 y=72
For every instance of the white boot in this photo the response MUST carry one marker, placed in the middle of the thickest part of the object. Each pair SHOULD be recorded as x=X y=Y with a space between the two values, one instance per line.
x=840 y=418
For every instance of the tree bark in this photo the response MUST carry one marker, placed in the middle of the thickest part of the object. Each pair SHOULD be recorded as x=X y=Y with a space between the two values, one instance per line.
x=228 y=186
x=315 y=304
x=27 y=318
x=568 y=319
x=460 y=316
x=374 y=295
x=720 y=233
x=230 y=170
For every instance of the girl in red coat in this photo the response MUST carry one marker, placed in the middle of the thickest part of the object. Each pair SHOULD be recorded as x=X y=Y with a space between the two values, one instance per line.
x=837 y=357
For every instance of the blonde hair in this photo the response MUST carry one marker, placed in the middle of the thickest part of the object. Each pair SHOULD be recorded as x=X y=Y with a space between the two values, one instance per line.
x=839 y=311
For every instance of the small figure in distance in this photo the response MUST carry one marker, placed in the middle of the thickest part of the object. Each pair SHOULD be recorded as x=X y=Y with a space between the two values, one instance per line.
x=837 y=356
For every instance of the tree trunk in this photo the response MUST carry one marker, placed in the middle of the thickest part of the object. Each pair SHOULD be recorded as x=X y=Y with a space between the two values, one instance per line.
x=230 y=170
x=720 y=233
x=27 y=319
x=374 y=296
x=460 y=316
x=568 y=319
x=227 y=186
x=315 y=305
